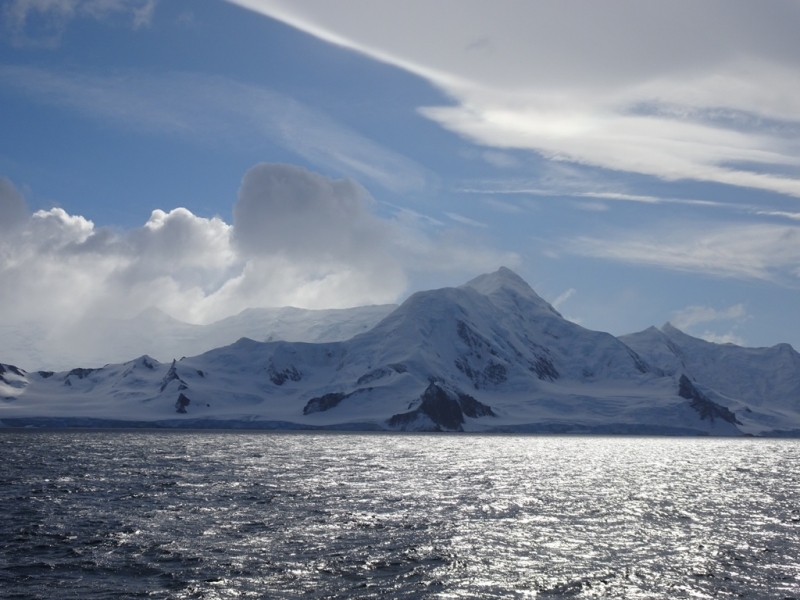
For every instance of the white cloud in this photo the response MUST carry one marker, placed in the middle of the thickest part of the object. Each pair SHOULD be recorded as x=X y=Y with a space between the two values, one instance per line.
x=780 y=213
x=636 y=86
x=694 y=315
x=464 y=220
x=686 y=319
x=51 y=17
x=725 y=338
x=758 y=251
x=563 y=298
x=217 y=111
x=297 y=238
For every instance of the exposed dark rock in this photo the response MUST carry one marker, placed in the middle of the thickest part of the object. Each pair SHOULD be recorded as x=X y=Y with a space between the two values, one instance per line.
x=640 y=365
x=473 y=408
x=374 y=375
x=324 y=402
x=280 y=377
x=707 y=408
x=11 y=369
x=80 y=373
x=398 y=368
x=495 y=373
x=45 y=374
x=462 y=365
x=172 y=375
x=181 y=404
x=466 y=334
x=328 y=401
x=544 y=368
x=445 y=409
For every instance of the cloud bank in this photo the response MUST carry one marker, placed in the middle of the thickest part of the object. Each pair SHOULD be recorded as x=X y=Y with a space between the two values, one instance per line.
x=297 y=238
x=677 y=90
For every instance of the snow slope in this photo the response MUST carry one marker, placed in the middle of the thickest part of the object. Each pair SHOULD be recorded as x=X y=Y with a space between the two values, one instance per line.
x=490 y=355
x=154 y=333
x=757 y=383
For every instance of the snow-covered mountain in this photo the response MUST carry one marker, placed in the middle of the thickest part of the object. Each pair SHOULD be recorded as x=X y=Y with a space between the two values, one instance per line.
x=490 y=355
x=157 y=334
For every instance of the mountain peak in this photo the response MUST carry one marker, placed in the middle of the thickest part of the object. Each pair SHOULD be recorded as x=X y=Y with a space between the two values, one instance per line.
x=490 y=282
x=504 y=280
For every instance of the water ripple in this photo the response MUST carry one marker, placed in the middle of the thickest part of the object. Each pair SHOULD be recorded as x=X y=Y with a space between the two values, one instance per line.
x=240 y=515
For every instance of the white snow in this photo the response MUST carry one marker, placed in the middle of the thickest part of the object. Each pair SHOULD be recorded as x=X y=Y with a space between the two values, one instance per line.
x=493 y=342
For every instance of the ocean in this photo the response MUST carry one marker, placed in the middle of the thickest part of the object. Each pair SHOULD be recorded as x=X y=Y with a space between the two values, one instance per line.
x=181 y=514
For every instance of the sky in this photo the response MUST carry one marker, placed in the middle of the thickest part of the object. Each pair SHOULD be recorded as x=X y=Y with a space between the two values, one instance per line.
x=635 y=162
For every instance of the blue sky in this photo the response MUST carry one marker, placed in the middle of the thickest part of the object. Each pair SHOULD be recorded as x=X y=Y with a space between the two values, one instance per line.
x=636 y=164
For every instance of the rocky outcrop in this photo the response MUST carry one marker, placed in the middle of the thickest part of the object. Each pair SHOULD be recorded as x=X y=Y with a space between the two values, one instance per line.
x=279 y=377
x=181 y=404
x=707 y=408
x=172 y=375
x=444 y=409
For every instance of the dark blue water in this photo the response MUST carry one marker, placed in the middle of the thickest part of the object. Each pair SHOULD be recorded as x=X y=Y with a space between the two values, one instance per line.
x=265 y=515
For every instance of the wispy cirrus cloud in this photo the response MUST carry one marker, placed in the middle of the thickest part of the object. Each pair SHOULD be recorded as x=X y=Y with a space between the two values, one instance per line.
x=213 y=110
x=750 y=251
x=634 y=87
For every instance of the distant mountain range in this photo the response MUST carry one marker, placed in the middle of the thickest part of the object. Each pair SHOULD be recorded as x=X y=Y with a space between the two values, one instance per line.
x=490 y=355
x=156 y=334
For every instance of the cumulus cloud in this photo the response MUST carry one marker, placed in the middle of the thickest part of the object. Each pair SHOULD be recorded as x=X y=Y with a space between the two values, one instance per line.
x=750 y=251
x=636 y=86
x=42 y=22
x=297 y=238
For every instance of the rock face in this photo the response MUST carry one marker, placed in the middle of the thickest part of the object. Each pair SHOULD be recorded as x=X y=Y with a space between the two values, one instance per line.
x=707 y=409
x=443 y=408
x=490 y=355
x=181 y=404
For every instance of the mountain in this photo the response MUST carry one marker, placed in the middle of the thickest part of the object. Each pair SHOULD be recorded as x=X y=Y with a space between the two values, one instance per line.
x=490 y=355
x=157 y=334
x=761 y=384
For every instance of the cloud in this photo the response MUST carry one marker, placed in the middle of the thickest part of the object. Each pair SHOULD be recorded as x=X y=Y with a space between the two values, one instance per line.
x=694 y=315
x=218 y=112
x=748 y=251
x=41 y=23
x=725 y=338
x=297 y=238
x=464 y=220
x=687 y=318
x=12 y=206
x=634 y=87
x=563 y=298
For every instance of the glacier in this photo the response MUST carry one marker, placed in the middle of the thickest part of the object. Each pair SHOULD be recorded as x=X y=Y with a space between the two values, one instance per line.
x=488 y=356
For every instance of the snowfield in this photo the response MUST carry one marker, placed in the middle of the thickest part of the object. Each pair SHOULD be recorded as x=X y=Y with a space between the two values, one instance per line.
x=490 y=355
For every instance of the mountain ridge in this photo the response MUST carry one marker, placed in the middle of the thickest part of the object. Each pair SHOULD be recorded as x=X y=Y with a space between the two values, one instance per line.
x=490 y=355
